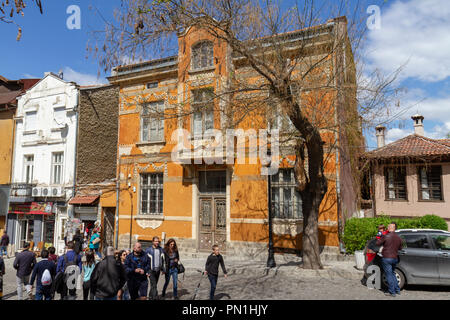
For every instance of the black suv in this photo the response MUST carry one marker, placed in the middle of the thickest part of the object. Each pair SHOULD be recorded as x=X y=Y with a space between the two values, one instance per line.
x=424 y=258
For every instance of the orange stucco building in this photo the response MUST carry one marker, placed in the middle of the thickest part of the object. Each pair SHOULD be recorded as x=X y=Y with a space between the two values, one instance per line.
x=199 y=203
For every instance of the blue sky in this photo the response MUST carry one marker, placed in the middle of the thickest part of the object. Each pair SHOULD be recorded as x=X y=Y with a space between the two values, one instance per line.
x=413 y=31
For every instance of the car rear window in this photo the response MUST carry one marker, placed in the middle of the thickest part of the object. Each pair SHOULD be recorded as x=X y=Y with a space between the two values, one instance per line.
x=418 y=241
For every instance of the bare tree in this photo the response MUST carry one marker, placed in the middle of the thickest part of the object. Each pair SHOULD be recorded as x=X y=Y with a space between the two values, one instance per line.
x=304 y=65
x=11 y=8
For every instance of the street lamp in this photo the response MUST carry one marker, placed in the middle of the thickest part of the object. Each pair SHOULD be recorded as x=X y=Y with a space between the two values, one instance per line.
x=271 y=258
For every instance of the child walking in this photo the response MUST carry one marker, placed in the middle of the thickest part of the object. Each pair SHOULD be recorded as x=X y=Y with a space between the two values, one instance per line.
x=212 y=269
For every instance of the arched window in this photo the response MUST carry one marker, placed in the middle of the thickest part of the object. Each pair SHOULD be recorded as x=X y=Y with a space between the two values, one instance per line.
x=202 y=55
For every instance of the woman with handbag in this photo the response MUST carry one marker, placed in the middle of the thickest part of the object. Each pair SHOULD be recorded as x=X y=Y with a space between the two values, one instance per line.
x=173 y=267
x=94 y=243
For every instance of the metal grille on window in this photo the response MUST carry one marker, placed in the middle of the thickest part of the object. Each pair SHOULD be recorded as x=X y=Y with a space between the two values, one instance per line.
x=395 y=183
x=152 y=194
x=286 y=200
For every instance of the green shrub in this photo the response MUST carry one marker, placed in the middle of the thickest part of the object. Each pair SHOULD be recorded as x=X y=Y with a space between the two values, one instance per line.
x=358 y=231
x=430 y=221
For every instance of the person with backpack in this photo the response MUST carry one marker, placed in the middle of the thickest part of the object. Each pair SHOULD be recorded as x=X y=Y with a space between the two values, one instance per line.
x=24 y=264
x=67 y=264
x=44 y=273
x=94 y=243
x=108 y=277
x=52 y=256
x=77 y=242
x=88 y=268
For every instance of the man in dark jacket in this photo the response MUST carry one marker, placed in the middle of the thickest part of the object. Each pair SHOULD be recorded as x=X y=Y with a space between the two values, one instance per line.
x=24 y=264
x=212 y=269
x=108 y=277
x=77 y=242
x=70 y=258
x=4 y=242
x=391 y=243
x=43 y=290
x=156 y=255
x=137 y=266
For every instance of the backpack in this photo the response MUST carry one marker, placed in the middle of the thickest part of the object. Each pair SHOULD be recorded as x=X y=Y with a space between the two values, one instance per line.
x=71 y=272
x=46 y=278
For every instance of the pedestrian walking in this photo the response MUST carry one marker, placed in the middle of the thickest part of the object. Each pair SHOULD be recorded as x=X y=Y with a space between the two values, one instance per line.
x=171 y=258
x=156 y=255
x=2 y=272
x=77 y=242
x=4 y=242
x=94 y=243
x=88 y=268
x=66 y=265
x=137 y=265
x=24 y=264
x=108 y=277
x=212 y=269
x=44 y=273
x=123 y=293
x=391 y=243
x=52 y=256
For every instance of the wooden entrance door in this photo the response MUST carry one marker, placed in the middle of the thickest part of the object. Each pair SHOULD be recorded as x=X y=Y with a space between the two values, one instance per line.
x=213 y=222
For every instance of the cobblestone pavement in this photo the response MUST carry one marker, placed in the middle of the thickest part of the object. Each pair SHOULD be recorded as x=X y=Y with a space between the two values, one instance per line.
x=340 y=280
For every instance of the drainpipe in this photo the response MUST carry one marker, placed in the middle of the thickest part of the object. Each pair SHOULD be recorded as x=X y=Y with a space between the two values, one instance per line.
x=116 y=240
x=76 y=109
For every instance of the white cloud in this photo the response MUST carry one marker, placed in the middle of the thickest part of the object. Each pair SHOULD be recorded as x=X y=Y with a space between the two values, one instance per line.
x=83 y=79
x=416 y=31
x=397 y=133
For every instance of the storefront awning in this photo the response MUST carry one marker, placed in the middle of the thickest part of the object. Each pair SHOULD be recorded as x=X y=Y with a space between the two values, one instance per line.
x=83 y=199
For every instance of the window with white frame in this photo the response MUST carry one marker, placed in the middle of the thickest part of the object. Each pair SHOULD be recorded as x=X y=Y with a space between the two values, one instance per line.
x=28 y=168
x=202 y=55
x=286 y=200
x=31 y=121
x=153 y=122
x=57 y=167
x=152 y=193
x=203 y=110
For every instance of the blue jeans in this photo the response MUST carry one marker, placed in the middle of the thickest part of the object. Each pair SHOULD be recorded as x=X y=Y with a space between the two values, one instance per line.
x=3 y=251
x=106 y=299
x=174 y=273
x=389 y=267
x=43 y=293
x=213 y=281
x=97 y=251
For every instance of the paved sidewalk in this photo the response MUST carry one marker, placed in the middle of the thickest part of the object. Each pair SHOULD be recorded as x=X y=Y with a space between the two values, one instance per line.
x=332 y=269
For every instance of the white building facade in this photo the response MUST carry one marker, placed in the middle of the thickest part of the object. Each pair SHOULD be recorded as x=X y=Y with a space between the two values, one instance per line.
x=43 y=163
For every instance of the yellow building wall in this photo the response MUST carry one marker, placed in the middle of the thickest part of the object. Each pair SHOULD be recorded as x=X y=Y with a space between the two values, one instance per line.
x=6 y=145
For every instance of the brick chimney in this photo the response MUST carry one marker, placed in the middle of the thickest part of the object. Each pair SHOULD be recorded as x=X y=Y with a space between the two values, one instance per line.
x=380 y=133
x=418 y=124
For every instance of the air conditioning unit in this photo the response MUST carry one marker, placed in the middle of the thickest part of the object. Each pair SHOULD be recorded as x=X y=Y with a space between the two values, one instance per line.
x=36 y=192
x=45 y=192
x=58 y=191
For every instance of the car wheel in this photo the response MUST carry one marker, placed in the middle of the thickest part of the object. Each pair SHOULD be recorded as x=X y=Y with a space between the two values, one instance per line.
x=398 y=275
